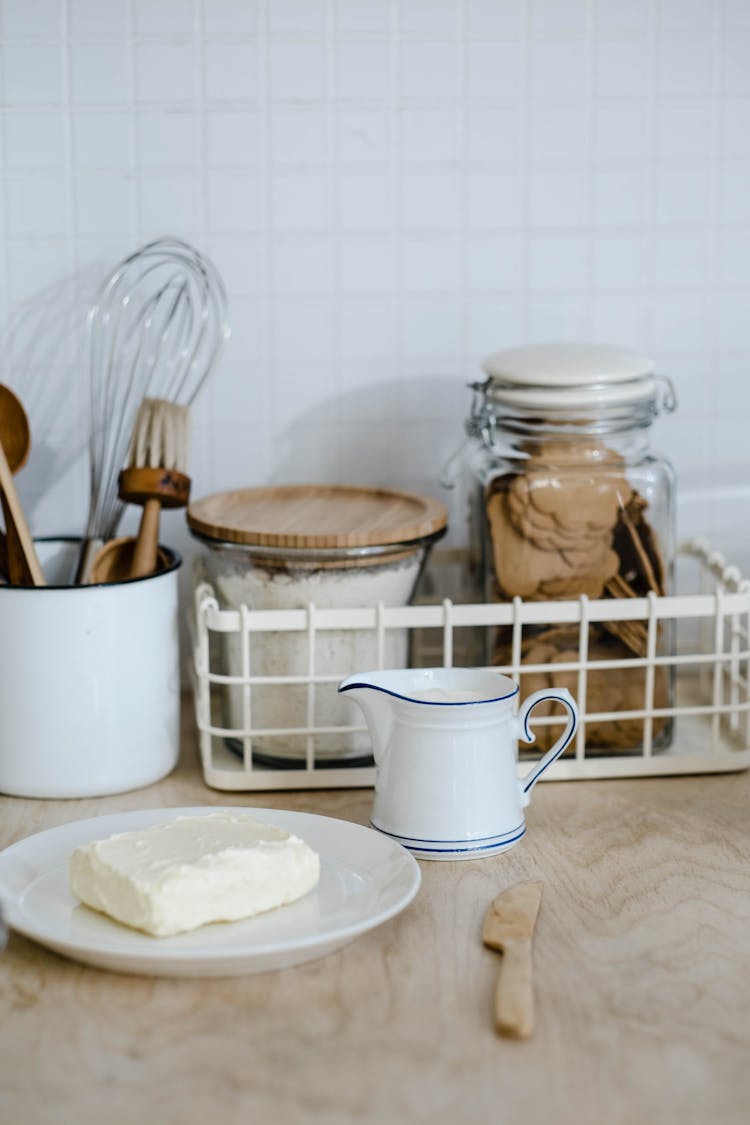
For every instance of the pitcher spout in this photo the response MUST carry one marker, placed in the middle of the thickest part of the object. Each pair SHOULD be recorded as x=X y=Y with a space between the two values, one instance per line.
x=376 y=706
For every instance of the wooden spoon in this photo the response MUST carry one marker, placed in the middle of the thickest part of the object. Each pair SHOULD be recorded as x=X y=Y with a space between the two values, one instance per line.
x=23 y=565
x=114 y=561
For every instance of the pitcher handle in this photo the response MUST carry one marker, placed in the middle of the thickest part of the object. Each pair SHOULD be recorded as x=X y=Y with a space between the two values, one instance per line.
x=560 y=695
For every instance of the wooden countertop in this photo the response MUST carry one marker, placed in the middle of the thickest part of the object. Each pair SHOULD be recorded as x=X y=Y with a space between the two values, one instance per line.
x=642 y=960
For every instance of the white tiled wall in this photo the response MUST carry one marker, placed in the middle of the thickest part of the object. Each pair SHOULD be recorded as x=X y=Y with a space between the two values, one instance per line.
x=391 y=188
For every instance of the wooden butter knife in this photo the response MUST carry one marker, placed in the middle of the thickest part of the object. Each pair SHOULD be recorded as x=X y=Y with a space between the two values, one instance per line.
x=509 y=927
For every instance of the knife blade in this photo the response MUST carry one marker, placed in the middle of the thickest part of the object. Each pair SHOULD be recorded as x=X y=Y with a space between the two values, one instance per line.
x=509 y=928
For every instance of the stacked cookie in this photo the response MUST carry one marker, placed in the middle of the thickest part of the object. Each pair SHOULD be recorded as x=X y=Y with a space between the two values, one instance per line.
x=551 y=528
x=571 y=524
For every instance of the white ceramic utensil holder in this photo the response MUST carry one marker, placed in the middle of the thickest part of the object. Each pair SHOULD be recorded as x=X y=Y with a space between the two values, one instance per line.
x=89 y=682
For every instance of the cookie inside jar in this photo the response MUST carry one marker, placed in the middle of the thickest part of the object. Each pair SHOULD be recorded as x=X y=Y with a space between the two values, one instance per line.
x=573 y=502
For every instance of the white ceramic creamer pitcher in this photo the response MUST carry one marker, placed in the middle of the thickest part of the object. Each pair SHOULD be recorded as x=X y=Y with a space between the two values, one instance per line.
x=445 y=748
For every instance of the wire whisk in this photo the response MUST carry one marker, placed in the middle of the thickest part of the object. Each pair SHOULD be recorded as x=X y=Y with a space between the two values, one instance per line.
x=156 y=330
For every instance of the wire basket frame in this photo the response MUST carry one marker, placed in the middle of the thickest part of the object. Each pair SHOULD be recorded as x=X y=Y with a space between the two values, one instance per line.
x=709 y=707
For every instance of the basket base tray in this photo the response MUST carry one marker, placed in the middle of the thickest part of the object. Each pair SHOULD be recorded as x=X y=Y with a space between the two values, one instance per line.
x=689 y=753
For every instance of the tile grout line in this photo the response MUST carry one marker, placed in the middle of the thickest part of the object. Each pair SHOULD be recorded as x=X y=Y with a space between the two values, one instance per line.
x=5 y=204
x=590 y=101
x=333 y=300
x=396 y=182
x=136 y=217
x=716 y=162
x=265 y=243
x=524 y=225
x=67 y=124
x=73 y=253
x=461 y=360
x=649 y=222
x=208 y=404
x=200 y=110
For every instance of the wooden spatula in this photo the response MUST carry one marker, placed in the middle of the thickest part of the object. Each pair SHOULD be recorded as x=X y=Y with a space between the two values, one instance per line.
x=509 y=928
x=154 y=479
x=155 y=475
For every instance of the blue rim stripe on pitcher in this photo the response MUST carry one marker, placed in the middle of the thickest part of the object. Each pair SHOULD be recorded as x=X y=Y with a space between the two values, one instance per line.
x=431 y=702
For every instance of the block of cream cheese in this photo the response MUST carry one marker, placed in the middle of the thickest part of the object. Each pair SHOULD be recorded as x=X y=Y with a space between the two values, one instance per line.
x=193 y=870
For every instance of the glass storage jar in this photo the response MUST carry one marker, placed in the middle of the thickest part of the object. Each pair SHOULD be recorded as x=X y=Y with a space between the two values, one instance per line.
x=286 y=547
x=569 y=499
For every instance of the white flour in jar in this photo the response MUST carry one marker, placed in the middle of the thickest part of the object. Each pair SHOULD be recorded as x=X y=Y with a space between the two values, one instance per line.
x=237 y=580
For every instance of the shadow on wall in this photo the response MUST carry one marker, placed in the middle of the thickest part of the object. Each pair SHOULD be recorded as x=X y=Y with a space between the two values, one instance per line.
x=398 y=433
x=43 y=359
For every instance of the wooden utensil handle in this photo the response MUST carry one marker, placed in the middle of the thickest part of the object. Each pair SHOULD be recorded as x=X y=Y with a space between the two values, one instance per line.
x=18 y=537
x=145 y=552
x=15 y=563
x=514 y=996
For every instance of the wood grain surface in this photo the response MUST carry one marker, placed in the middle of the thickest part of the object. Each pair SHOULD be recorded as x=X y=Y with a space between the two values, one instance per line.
x=317 y=516
x=641 y=967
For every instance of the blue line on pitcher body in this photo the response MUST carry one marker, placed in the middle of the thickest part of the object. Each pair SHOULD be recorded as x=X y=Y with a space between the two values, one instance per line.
x=416 y=845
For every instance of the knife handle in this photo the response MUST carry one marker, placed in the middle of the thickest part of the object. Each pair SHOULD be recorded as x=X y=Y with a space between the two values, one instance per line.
x=514 y=996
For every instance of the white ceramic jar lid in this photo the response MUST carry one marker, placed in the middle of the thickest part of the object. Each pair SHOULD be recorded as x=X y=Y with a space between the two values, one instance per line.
x=569 y=376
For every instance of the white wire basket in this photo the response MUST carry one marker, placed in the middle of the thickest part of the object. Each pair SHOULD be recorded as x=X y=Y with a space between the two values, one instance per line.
x=708 y=716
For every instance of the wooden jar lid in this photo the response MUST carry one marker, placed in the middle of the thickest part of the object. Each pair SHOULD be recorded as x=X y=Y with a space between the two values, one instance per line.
x=317 y=516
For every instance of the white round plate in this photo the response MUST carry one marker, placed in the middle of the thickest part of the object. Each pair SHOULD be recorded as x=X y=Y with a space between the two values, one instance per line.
x=365 y=879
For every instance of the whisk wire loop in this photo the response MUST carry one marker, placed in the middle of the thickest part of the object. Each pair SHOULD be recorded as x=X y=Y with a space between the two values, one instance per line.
x=156 y=330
